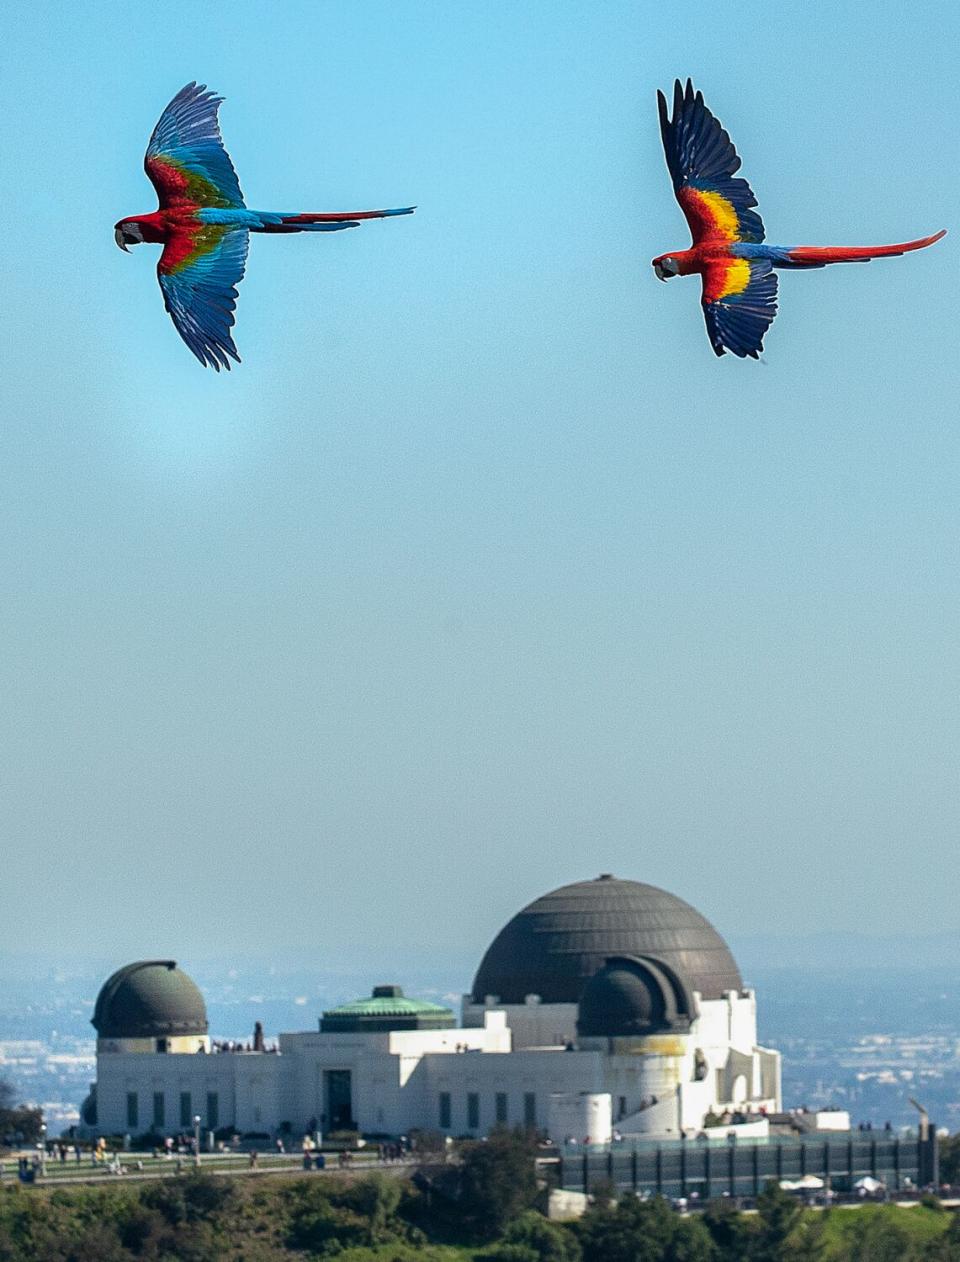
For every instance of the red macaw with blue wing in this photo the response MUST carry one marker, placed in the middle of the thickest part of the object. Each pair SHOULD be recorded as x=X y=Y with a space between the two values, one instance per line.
x=739 y=283
x=204 y=226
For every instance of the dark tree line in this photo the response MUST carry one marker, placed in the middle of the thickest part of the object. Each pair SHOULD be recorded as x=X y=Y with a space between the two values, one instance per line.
x=17 y=1122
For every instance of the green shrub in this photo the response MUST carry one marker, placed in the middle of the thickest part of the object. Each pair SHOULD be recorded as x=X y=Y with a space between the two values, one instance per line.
x=507 y=1252
x=539 y=1239
x=196 y=1197
x=732 y=1233
x=326 y=1217
x=137 y=1226
x=878 y=1240
x=945 y=1248
x=779 y=1214
x=375 y=1198
x=642 y=1231
x=497 y=1181
x=322 y=1230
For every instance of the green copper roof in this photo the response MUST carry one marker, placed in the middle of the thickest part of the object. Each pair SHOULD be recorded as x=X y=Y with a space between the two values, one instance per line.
x=387 y=1008
x=401 y=1007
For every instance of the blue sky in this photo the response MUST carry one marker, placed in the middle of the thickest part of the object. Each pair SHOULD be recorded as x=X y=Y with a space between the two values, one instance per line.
x=482 y=573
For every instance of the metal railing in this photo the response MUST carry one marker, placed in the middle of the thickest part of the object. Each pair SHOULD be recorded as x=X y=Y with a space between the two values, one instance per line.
x=678 y=1168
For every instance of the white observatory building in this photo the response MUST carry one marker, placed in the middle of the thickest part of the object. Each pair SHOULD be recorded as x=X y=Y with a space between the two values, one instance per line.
x=608 y=1001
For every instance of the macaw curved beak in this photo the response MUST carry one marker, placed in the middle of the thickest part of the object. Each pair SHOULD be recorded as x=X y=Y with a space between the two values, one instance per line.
x=661 y=274
x=118 y=237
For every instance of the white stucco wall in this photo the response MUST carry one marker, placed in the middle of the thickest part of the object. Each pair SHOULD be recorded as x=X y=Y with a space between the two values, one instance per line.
x=532 y=1024
x=149 y=1073
x=525 y=1073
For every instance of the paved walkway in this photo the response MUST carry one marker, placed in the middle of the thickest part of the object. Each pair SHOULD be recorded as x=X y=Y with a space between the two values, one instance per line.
x=59 y=1175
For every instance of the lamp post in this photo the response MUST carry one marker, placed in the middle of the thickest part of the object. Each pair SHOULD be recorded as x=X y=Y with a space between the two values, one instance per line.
x=196 y=1139
x=43 y=1149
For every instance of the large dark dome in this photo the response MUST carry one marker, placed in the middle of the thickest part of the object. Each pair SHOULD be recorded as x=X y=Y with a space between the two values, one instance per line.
x=149 y=999
x=555 y=945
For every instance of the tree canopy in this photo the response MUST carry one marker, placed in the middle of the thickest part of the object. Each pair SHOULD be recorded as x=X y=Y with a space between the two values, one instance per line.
x=18 y=1122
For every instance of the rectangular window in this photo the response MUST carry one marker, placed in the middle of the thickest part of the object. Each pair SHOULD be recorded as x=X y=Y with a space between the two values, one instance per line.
x=213 y=1111
x=473 y=1111
x=133 y=1110
x=159 y=1112
x=501 y=1108
x=623 y=1106
x=444 y=1110
x=186 y=1110
x=529 y=1108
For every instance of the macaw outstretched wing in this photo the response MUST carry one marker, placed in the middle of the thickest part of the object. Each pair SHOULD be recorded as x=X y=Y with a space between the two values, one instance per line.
x=185 y=159
x=199 y=271
x=739 y=303
x=702 y=163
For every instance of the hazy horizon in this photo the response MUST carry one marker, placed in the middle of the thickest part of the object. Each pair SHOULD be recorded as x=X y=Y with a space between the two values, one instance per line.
x=840 y=953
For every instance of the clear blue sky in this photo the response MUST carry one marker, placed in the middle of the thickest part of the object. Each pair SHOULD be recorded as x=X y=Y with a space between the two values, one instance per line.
x=481 y=574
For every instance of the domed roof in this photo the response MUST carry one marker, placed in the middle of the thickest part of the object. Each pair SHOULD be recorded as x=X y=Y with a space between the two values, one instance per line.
x=633 y=996
x=555 y=945
x=149 y=999
x=388 y=1008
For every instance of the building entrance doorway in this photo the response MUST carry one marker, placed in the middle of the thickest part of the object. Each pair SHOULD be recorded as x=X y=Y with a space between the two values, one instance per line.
x=338 y=1099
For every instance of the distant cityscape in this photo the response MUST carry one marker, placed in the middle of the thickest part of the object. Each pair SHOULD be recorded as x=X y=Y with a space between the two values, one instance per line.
x=861 y=1039
x=868 y=1039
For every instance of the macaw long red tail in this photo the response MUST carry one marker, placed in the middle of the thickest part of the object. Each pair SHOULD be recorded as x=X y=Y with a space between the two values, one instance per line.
x=328 y=222
x=340 y=216
x=818 y=255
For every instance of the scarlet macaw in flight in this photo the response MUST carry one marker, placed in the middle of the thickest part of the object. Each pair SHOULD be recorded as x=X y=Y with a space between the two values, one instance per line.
x=739 y=283
x=204 y=226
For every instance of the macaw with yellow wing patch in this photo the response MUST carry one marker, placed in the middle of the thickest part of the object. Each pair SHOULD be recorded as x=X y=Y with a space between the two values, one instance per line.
x=204 y=225
x=739 y=283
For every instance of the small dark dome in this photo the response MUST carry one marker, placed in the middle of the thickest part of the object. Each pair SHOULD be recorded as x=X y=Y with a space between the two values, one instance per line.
x=555 y=945
x=149 y=999
x=633 y=997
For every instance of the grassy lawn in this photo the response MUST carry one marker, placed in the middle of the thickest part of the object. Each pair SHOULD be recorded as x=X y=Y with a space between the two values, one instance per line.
x=845 y=1225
